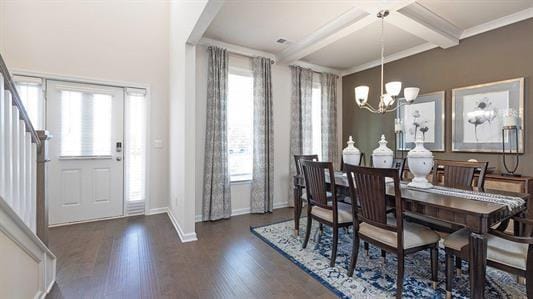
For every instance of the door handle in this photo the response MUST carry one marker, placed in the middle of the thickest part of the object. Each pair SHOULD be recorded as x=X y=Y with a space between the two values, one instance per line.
x=119 y=159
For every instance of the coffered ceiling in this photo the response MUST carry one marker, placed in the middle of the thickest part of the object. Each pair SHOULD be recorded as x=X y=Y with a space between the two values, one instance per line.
x=344 y=35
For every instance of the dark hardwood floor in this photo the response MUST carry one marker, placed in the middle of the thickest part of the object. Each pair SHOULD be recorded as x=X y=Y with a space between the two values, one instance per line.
x=142 y=257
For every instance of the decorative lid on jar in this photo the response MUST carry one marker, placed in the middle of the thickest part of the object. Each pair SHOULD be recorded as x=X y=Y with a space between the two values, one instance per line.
x=419 y=151
x=382 y=150
x=351 y=149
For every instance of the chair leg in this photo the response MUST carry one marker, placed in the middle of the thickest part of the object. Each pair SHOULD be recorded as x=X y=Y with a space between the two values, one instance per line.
x=321 y=226
x=355 y=254
x=365 y=244
x=458 y=265
x=449 y=275
x=384 y=255
x=334 y=246
x=399 y=279
x=434 y=266
x=307 y=231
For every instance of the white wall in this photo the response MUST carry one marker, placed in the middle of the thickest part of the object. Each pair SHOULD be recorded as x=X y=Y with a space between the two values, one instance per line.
x=103 y=40
x=183 y=17
x=281 y=94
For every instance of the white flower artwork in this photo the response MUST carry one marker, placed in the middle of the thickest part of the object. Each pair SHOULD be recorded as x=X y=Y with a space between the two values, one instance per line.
x=419 y=119
x=483 y=116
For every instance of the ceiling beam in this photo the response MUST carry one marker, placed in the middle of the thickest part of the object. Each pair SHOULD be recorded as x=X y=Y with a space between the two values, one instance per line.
x=209 y=13
x=422 y=22
x=346 y=24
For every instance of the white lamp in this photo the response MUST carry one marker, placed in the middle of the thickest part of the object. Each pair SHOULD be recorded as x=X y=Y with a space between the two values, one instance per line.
x=361 y=94
x=393 y=88
x=410 y=93
x=388 y=99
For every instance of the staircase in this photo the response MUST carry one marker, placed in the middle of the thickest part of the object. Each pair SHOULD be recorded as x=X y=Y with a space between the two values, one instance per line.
x=27 y=266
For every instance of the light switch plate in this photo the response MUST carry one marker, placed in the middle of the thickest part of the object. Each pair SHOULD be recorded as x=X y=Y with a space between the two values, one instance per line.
x=158 y=143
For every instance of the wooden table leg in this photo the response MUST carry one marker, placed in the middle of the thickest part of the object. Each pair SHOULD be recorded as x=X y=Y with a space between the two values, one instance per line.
x=478 y=265
x=297 y=209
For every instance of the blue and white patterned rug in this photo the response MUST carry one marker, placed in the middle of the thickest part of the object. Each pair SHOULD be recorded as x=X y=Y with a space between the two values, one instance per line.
x=373 y=278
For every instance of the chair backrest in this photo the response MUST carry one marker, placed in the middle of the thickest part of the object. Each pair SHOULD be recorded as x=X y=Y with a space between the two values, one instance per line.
x=298 y=161
x=316 y=185
x=368 y=186
x=460 y=174
x=399 y=163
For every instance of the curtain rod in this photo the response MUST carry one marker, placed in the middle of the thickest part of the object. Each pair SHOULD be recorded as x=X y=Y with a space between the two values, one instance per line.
x=272 y=61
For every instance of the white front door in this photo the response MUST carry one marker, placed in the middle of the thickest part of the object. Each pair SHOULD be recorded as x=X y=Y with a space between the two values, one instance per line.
x=85 y=178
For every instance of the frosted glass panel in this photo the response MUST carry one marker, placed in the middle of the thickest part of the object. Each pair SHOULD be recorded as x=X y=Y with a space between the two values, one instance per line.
x=136 y=148
x=85 y=124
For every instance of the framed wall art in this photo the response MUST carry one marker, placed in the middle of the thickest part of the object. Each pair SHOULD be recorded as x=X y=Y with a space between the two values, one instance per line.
x=425 y=117
x=479 y=112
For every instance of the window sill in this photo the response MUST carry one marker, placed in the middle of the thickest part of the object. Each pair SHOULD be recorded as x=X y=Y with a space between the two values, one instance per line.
x=241 y=182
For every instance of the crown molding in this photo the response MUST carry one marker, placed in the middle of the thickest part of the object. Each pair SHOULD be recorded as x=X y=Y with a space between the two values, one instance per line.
x=500 y=22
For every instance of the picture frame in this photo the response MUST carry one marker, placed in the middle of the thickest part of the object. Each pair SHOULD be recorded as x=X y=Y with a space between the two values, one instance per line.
x=426 y=116
x=478 y=116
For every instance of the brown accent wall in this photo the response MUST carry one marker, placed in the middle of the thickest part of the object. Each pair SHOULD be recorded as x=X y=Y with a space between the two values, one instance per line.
x=505 y=53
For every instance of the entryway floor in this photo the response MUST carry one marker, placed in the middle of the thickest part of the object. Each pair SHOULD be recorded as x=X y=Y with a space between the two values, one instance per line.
x=142 y=257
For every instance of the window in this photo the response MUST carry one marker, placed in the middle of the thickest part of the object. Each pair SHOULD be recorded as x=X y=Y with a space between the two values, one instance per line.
x=88 y=133
x=30 y=91
x=240 y=124
x=135 y=149
x=316 y=119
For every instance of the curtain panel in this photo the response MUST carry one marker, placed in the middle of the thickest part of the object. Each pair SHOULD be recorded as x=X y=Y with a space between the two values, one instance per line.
x=301 y=128
x=262 y=191
x=216 y=193
x=328 y=84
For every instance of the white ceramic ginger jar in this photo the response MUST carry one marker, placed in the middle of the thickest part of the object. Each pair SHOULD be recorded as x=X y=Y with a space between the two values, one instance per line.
x=351 y=155
x=420 y=162
x=382 y=156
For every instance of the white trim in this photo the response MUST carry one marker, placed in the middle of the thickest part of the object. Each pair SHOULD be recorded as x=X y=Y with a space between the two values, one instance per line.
x=17 y=231
x=236 y=49
x=475 y=30
x=183 y=237
x=156 y=211
x=393 y=57
x=210 y=11
x=89 y=221
x=317 y=68
x=244 y=211
x=497 y=23
x=79 y=79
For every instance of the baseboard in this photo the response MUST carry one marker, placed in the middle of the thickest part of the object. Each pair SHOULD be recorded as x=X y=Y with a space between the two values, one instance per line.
x=244 y=211
x=157 y=211
x=183 y=237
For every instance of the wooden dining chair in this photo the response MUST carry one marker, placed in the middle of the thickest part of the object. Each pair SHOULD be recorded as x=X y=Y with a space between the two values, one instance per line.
x=453 y=174
x=459 y=174
x=506 y=252
x=326 y=212
x=373 y=225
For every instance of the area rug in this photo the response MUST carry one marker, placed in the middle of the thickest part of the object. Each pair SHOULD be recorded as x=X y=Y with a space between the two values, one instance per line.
x=374 y=278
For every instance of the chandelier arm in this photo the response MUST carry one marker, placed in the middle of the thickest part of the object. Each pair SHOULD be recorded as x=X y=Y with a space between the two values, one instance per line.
x=396 y=108
x=369 y=108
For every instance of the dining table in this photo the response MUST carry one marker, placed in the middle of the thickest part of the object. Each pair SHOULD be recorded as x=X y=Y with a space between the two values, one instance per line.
x=475 y=215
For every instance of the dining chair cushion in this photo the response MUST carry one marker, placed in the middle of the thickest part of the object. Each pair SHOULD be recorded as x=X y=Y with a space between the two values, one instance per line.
x=344 y=213
x=429 y=220
x=414 y=235
x=498 y=250
x=304 y=195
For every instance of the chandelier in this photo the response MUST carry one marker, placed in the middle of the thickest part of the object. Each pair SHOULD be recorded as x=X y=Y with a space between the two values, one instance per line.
x=387 y=100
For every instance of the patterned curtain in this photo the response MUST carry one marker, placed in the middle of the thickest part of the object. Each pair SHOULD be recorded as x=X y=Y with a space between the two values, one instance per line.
x=216 y=196
x=262 y=194
x=301 y=111
x=328 y=83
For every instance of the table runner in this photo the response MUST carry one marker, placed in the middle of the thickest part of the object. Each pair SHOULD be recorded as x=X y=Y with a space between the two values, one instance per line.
x=513 y=203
